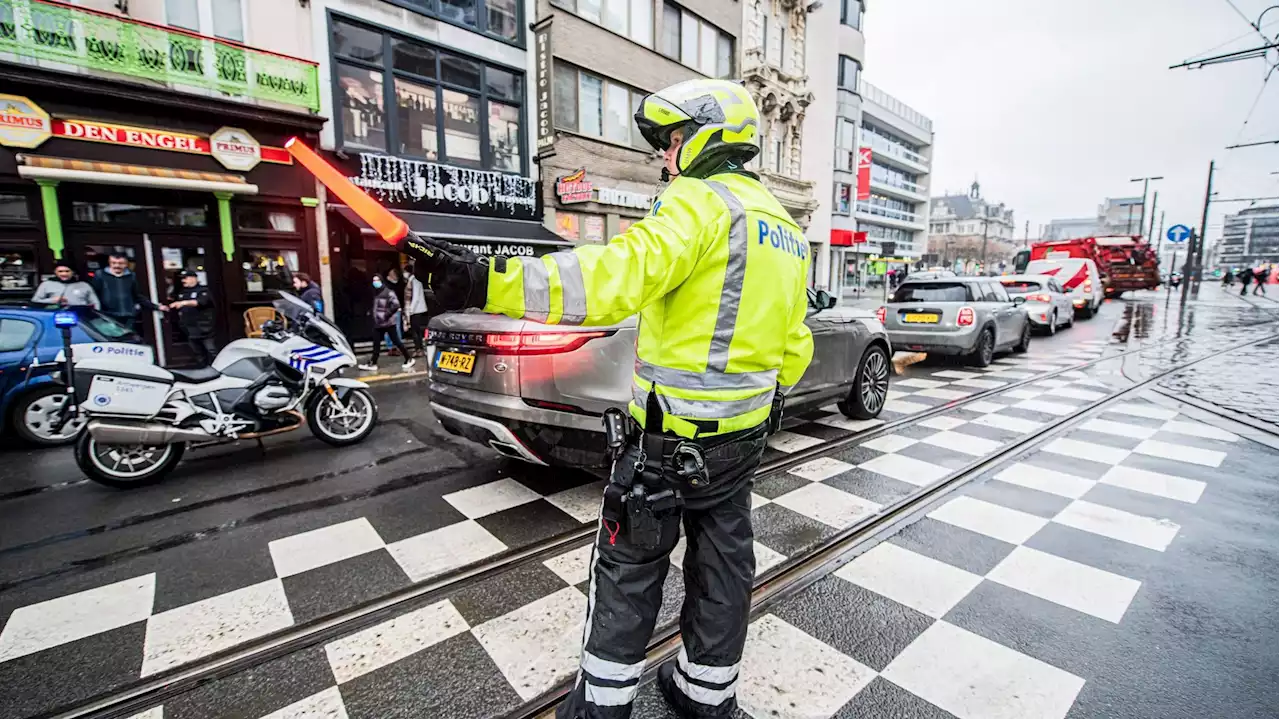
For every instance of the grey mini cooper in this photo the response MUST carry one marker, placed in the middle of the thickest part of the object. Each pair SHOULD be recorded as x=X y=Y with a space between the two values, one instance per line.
x=969 y=316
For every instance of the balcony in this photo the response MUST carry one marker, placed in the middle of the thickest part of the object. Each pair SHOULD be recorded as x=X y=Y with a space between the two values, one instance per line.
x=899 y=188
x=889 y=217
x=53 y=35
x=896 y=154
x=795 y=195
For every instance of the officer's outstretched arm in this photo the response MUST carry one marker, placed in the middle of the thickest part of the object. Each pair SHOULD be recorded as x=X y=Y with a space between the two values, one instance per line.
x=799 y=349
x=604 y=284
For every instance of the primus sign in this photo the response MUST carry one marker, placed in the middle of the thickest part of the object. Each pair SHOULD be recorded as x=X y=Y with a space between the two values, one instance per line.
x=419 y=185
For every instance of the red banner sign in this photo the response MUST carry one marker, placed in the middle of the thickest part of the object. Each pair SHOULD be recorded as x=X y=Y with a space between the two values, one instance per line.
x=841 y=238
x=860 y=238
x=864 y=173
x=234 y=154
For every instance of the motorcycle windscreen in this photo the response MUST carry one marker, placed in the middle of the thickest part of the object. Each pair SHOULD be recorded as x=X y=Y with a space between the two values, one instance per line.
x=297 y=312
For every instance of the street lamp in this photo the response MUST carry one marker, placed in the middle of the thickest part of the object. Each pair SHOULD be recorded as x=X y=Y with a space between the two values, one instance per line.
x=1143 y=215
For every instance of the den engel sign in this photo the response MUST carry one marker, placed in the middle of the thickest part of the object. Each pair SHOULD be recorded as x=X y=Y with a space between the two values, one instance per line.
x=419 y=185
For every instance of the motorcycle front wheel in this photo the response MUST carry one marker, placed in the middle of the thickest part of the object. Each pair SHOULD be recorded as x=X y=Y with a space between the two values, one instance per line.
x=344 y=422
x=126 y=466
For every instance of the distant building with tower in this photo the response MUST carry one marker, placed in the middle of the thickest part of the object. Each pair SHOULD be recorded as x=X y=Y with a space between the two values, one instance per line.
x=959 y=225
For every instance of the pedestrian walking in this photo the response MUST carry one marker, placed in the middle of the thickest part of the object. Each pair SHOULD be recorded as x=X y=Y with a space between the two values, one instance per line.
x=418 y=299
x=717 y=264
x=393 y=281
x=384 y=313
x=194 y=305
x=65 y=289
x=1260 y=276
x=308 y=291
x=1227 y=277
x=118 y=291
x=1246 y=276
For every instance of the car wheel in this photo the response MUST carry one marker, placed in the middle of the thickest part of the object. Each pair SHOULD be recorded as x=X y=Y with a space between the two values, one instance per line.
x=35 y=413
x=1053 y=324
x=870 y=386
x=1024 y=342
x=986 y=349
x=1071 y=320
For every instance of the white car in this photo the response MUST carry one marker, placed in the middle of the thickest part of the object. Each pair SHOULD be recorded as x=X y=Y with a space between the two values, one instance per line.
x=1047 y=306
x=1078 y=277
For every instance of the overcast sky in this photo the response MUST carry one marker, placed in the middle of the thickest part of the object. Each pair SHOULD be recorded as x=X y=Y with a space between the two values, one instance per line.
x=1054 y=104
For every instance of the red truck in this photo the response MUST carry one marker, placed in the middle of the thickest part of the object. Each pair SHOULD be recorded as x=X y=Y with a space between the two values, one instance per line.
x=1125 y=262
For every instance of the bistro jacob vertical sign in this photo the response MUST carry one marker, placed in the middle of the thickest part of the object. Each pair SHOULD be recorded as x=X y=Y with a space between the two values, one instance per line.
x=543 y=81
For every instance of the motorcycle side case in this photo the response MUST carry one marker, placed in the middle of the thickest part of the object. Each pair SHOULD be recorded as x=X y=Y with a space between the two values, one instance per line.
x=112 y=387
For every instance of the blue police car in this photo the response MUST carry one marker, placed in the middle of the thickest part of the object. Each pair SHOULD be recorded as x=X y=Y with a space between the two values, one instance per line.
x=32 y=389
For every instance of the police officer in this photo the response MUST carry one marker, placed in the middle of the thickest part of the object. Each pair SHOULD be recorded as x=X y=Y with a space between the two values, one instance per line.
x=717 y=272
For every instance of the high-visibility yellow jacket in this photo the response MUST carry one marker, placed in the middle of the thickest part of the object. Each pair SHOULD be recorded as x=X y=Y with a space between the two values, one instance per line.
x=717 y=272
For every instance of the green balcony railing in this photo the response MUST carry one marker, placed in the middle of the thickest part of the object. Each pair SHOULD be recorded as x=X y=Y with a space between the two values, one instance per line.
x=43 y=30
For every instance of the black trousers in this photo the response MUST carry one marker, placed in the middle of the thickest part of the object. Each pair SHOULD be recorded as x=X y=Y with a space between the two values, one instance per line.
x=418 y=328
x=204 y=349
x=625 y=594
x=389 y=332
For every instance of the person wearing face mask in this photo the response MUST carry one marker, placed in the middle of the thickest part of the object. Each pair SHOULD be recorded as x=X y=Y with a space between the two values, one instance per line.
x=385 y=314
x=717 y=272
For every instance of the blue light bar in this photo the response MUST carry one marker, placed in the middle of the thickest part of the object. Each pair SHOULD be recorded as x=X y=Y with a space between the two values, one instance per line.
x=65 y=319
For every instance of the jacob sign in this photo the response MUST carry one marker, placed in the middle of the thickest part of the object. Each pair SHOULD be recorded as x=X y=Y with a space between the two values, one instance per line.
x=426 y=186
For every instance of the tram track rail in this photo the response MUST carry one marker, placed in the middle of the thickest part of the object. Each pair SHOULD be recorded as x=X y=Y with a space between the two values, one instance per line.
x=140 y=695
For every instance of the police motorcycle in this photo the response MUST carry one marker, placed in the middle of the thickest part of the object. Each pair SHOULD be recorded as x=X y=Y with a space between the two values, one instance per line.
x=142 y=418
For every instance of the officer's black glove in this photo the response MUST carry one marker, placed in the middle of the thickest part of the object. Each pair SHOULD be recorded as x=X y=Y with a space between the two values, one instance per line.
x=459 y=279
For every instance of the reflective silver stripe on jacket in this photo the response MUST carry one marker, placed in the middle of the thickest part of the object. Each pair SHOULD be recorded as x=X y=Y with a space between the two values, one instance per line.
x=706 y=672
x=703 y=408
x=573 y=291
x=711 y=379
x=701 y=694
x=613 y=671
x=537 y=289
x=786 y=388
x=610 y=696
x=734 y=272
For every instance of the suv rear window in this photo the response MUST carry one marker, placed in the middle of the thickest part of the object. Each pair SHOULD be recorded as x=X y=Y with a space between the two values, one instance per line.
x=1020 y=287
x=932 y=292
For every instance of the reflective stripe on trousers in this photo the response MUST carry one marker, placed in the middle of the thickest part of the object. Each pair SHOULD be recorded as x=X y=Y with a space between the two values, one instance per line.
x=702 y=408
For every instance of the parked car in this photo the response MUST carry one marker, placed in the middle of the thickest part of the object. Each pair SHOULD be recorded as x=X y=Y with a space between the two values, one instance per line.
x=930 y=274
x=32 y=388
x=1048 y=306
x=1078 y=277
x=969 y=316
x=536 y=392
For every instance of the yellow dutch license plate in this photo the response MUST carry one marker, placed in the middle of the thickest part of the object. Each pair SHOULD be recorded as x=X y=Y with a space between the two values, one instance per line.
x=921 y=317
x=456 y=362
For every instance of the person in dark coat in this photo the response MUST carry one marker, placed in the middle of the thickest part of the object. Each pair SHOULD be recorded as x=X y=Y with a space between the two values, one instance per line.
x=386 y=315
x=194 y=306
x=1246 y=276
x=308 y=291
x=119 y=293
x=1261 y=276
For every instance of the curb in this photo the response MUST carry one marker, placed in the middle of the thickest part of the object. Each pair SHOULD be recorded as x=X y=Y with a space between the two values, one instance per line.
x=397 y=377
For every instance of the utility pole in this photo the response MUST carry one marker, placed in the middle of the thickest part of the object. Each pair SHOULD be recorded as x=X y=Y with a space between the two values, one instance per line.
x=1155 y=199
x=1204 y=227
x=1143 y=216
x=984 y=239
x=1194 y=251
x=1160 y=241
x=1026 y=234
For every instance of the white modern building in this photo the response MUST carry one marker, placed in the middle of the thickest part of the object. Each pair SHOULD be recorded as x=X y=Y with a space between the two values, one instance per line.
x=896 y=216
x=1249 y=238
x=834 y=52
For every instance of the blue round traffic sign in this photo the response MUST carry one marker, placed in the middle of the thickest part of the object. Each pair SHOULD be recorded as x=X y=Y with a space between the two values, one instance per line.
x=1178 y=233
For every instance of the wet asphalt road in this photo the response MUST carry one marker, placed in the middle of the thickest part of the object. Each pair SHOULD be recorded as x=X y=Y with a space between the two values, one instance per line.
x=60 y=534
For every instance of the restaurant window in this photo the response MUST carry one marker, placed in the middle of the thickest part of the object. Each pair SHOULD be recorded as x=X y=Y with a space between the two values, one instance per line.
x=17 y=269
x=695 y=42
x=268 y=270
x=448 y=107
x=848 y=75
x=120 y=213
x=568 y=225
x=593 y=229
x=263 y=219
x=630 y=18
x=593 y=106
x=14 y=208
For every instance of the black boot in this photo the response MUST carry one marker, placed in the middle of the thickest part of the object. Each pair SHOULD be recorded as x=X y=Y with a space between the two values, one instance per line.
x=683 y=706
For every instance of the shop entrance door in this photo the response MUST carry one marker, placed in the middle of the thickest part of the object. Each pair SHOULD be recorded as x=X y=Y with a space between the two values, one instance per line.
x=170 y=255
x=92 y=251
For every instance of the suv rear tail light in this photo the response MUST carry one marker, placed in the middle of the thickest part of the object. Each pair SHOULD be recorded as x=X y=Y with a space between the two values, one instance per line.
x=1088 y=286
x=539 y=343
x=1040 y=297
x=965 y=318
x=880 y=313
